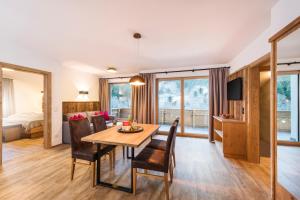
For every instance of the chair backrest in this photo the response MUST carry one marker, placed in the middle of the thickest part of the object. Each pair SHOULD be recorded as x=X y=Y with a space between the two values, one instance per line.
x=170 y=142
x=79 y=129
x=99 y=123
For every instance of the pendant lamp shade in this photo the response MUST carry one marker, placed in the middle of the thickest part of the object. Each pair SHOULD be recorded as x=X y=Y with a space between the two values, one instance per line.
x=137 y=80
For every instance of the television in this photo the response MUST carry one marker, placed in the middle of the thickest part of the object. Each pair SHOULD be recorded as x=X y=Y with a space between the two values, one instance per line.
x=235 y=89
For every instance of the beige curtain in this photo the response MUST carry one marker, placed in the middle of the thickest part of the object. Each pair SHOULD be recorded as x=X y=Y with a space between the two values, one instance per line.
x=142 y=106
x=8 y=100
x=103 y=95
x=218 y=103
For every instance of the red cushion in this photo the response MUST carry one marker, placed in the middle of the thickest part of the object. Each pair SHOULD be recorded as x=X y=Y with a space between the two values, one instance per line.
x=77 y=117
x=103 y=114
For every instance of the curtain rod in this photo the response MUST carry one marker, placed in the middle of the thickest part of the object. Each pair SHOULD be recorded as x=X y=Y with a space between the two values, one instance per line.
x=176 y=71
x=289 y=63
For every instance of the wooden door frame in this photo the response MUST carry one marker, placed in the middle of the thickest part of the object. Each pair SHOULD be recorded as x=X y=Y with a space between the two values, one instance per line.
x=181 y=79
x=47 y=105
x=291 y=27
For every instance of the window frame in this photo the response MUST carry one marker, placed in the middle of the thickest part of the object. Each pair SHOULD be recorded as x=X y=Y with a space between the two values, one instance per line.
x=292 y=72
x=182 y=132
x=109 y=92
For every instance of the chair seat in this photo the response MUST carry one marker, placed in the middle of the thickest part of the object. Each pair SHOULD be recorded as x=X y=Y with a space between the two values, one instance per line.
x=151 y=159
x=88 y=153
x=158 y=144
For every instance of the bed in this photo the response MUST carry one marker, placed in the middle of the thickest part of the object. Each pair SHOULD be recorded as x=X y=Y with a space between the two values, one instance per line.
x=22 y=125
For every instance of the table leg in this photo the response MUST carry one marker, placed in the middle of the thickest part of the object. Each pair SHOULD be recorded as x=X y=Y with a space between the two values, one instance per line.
x=132 y=152
x=98 y=163
x=132 y=157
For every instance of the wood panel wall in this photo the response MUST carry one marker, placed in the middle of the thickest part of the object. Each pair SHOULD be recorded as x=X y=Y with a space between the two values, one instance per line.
x=71 y=107
x=237 y=109
x=248 y=109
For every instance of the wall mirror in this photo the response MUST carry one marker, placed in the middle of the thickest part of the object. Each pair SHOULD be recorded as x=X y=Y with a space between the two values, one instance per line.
x=286 y=130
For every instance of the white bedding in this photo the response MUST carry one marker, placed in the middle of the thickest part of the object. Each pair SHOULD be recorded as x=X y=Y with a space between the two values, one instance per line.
x=27 y=120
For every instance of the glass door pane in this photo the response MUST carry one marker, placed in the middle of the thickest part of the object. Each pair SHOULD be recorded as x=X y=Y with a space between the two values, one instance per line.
x=169 y=100
x=196 y=106
x=120 y=100
x=287 y=107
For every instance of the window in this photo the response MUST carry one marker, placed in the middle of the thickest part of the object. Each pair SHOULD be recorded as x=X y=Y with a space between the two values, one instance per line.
x=287 y=107
x=186 y=97
x=120 y=99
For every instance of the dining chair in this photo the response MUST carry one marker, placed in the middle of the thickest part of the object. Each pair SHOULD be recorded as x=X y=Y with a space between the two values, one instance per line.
x=156 y=160
x=99 y=124
x=162 y=144
x=83 y=150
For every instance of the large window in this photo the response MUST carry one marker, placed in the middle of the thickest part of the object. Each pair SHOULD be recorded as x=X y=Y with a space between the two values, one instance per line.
x=287 y=107
x=120 y=99
x=186 y=98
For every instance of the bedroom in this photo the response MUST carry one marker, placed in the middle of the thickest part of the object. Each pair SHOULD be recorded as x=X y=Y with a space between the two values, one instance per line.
x=22 y=96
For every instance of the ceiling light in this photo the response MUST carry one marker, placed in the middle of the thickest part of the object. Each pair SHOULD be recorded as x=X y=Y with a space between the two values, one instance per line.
x=8 y=69
x=137 y=80
x=111 y=70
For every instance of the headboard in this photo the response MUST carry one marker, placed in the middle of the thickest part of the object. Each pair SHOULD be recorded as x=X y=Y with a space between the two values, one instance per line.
x=71 y=107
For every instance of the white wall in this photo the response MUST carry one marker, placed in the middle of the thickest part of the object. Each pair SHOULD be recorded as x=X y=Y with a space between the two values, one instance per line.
x=73 y=81
x=13 y=52
x=283 y=12
x=27 y=91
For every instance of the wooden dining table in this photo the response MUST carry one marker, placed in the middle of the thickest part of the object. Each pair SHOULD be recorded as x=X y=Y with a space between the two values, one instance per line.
x=112 y=136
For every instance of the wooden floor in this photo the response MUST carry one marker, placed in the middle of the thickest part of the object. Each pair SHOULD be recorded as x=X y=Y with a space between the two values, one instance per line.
x=201 y=173
x=288 y=169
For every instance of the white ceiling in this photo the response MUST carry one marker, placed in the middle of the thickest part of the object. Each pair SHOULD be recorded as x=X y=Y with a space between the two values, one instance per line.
x=93 y=34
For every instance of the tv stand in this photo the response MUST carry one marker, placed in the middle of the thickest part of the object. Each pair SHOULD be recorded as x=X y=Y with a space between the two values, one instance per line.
x=230 y=136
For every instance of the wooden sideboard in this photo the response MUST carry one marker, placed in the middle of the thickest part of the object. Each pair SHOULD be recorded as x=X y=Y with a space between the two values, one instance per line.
x=230 y=136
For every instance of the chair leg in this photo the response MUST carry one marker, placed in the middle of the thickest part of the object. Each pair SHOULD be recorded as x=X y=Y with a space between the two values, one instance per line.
x=110 y=160
x=93 y=174
x=114 y=157
x=134 y=181
x=171 y=172
x=173 y=155
x=123 y=152
x=166 y=178
x=73 y=168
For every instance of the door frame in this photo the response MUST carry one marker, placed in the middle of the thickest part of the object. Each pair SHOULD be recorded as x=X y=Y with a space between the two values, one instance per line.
x=181 y=79
x=47 y=101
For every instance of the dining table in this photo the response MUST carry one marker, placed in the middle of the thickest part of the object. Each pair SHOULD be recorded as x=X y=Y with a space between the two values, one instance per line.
x=112 y=136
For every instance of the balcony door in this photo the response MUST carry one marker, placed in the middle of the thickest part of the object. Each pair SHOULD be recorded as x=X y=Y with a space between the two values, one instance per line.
x=186 y=98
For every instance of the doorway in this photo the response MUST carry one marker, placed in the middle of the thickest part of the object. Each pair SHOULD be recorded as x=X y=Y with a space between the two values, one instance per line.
x=46 y=103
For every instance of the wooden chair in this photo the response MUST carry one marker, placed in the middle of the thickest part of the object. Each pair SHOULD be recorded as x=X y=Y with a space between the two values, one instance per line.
x=162 y=144
x=99 y=124
x=84 y=150
x=156 y=160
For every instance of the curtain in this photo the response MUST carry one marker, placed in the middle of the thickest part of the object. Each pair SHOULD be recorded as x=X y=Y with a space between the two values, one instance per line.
x=103 y=95
x=218 y=103
x=142 y=106
x=8 y=97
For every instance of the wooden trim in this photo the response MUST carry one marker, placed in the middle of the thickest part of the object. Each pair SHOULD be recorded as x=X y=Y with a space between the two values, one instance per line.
x=288 y=72
x=273 y=116
x=47 y=106
x=1 y=120
x=288 y=143
x=295 y=24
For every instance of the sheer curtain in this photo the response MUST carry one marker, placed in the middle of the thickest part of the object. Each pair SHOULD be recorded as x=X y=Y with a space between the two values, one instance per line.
x=8 y=97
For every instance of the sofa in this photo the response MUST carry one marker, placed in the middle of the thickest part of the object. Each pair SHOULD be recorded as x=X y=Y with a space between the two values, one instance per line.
x=66 y=139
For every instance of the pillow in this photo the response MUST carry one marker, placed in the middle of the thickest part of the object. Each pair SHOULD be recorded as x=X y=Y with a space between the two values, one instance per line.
x=103 y=114
x=84 y=114
x=77 y=117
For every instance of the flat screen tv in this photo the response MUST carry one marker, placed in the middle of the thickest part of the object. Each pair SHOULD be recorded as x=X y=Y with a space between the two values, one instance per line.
x=235 y=89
